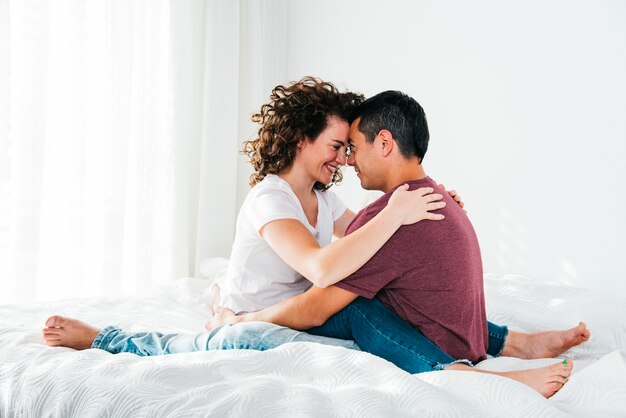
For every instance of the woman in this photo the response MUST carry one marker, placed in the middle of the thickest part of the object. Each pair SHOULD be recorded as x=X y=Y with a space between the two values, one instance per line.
x=296 y=157
x=283 y=243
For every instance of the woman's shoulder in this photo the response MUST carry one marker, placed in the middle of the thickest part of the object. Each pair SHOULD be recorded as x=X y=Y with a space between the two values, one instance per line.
x=271 y=184
x=272 y=191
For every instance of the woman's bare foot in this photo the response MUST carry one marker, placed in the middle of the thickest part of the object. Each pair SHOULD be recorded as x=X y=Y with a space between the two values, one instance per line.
x=546 y=344
x=545 y=380
x=68 y=332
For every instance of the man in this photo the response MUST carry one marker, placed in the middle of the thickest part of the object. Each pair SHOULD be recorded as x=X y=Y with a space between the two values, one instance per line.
x=427 y=280
x=428 y=273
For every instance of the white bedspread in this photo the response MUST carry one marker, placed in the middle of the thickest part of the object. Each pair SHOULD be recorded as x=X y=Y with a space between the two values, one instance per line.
x=300 y=379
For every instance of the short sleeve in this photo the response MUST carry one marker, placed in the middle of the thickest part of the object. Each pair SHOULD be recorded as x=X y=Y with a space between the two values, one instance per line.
x=272 y=205
x=336 y=205
x=376 y=274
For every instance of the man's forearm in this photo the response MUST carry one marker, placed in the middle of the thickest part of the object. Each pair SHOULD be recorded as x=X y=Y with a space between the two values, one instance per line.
x=296 y=313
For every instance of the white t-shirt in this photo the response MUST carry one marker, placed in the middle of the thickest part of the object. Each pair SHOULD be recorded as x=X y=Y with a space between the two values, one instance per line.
x=256 y=276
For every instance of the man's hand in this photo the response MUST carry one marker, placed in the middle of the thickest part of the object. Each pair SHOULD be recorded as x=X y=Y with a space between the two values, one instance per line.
x=221 y=315
x=453 y=194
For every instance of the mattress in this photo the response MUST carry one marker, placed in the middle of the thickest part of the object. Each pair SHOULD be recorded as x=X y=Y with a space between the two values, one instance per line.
x=301 y=379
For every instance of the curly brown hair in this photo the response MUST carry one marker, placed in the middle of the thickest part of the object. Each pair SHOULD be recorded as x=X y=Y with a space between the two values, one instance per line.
x=297 y=111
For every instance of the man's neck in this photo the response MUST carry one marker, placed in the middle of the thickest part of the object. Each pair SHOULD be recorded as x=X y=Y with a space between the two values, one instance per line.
x=407 y=170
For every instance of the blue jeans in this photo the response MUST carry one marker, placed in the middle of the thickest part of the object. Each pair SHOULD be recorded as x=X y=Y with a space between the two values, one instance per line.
x=374 y=327
x=243 y=336
x=380 y=331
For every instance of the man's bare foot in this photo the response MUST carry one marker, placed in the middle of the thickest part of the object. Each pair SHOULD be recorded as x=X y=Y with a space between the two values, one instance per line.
x=546 y=344
x=545 y=380
x=68 y=332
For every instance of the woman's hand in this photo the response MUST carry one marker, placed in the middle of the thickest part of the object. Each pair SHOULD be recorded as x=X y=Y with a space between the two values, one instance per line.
x=221 y=314
x=215 y=301
x=453 y=194
x=413 y=206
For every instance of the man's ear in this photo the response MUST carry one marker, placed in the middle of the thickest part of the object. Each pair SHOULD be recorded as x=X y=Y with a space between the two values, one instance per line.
x=387 y=142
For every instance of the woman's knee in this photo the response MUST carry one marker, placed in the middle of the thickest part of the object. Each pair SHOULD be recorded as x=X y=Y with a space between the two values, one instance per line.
x=245 y=335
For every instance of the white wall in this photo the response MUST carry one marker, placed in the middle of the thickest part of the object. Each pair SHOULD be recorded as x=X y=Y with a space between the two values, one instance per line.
x=526 y=104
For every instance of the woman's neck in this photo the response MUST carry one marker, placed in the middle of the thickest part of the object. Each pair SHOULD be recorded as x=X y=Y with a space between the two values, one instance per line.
x=299 y=180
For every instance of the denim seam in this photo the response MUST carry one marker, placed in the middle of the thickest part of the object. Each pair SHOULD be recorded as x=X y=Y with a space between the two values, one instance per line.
x=97 y=342
x=433 y=365
x=503 y=338
x=441 y=366
x=266 y=333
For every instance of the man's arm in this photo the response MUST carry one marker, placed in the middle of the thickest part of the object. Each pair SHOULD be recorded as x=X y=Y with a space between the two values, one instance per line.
x=308 y=310
x=341 y=224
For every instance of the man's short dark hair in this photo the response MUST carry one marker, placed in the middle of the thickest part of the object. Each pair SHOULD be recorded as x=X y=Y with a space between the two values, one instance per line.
x=401 y=115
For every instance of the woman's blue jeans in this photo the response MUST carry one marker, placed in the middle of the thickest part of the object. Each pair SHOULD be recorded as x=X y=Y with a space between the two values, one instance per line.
x=367 y=322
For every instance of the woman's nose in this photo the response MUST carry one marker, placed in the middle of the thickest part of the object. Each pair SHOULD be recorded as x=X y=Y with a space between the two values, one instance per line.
x=341 y=158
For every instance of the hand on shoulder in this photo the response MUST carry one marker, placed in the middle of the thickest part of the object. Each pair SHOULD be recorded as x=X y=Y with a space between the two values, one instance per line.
x=411 y=206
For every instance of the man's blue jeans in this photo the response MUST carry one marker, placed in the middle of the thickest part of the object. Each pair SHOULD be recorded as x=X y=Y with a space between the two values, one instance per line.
x=373 y=327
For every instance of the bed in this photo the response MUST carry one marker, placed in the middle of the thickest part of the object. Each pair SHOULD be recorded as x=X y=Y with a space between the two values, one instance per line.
x=301 y=379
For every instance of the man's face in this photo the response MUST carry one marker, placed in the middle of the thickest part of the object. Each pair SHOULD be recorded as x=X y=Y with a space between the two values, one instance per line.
x=364 y=159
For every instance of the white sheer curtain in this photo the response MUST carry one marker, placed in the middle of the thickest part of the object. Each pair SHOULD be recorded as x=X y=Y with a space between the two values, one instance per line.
x=118 y=143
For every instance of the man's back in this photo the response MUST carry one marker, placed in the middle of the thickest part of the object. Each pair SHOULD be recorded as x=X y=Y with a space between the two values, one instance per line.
x=430 y=274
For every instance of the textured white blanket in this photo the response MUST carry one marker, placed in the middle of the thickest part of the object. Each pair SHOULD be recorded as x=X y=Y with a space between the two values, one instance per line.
x=300 y=379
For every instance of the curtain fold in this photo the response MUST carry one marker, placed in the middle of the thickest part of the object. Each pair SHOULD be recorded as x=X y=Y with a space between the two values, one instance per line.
x=249 y=41
x=118 y=143
x=217 y=209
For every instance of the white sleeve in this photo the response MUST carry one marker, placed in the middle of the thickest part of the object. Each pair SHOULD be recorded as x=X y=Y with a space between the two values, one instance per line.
x=337 y=206
x=271 y=205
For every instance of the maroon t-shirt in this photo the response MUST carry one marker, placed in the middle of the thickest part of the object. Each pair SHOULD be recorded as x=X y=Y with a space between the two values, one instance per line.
x=430 y=273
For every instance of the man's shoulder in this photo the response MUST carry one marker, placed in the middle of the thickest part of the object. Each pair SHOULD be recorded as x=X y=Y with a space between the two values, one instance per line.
x=367 y=213
x=372 y=209
x=423 y=182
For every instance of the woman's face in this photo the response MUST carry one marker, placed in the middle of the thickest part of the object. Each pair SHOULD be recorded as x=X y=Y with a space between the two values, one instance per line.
x=327 y=152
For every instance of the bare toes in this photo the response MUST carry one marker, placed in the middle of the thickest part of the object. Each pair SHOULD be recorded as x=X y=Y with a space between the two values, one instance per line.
x=552 y=388
x=582 y=331
x=559 y=375
x=585 y=333
x=55 y=321
x=52 y=340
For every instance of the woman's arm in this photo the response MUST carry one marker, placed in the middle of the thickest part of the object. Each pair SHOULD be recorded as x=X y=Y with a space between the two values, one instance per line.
x=325 y=266
x=341 y=224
